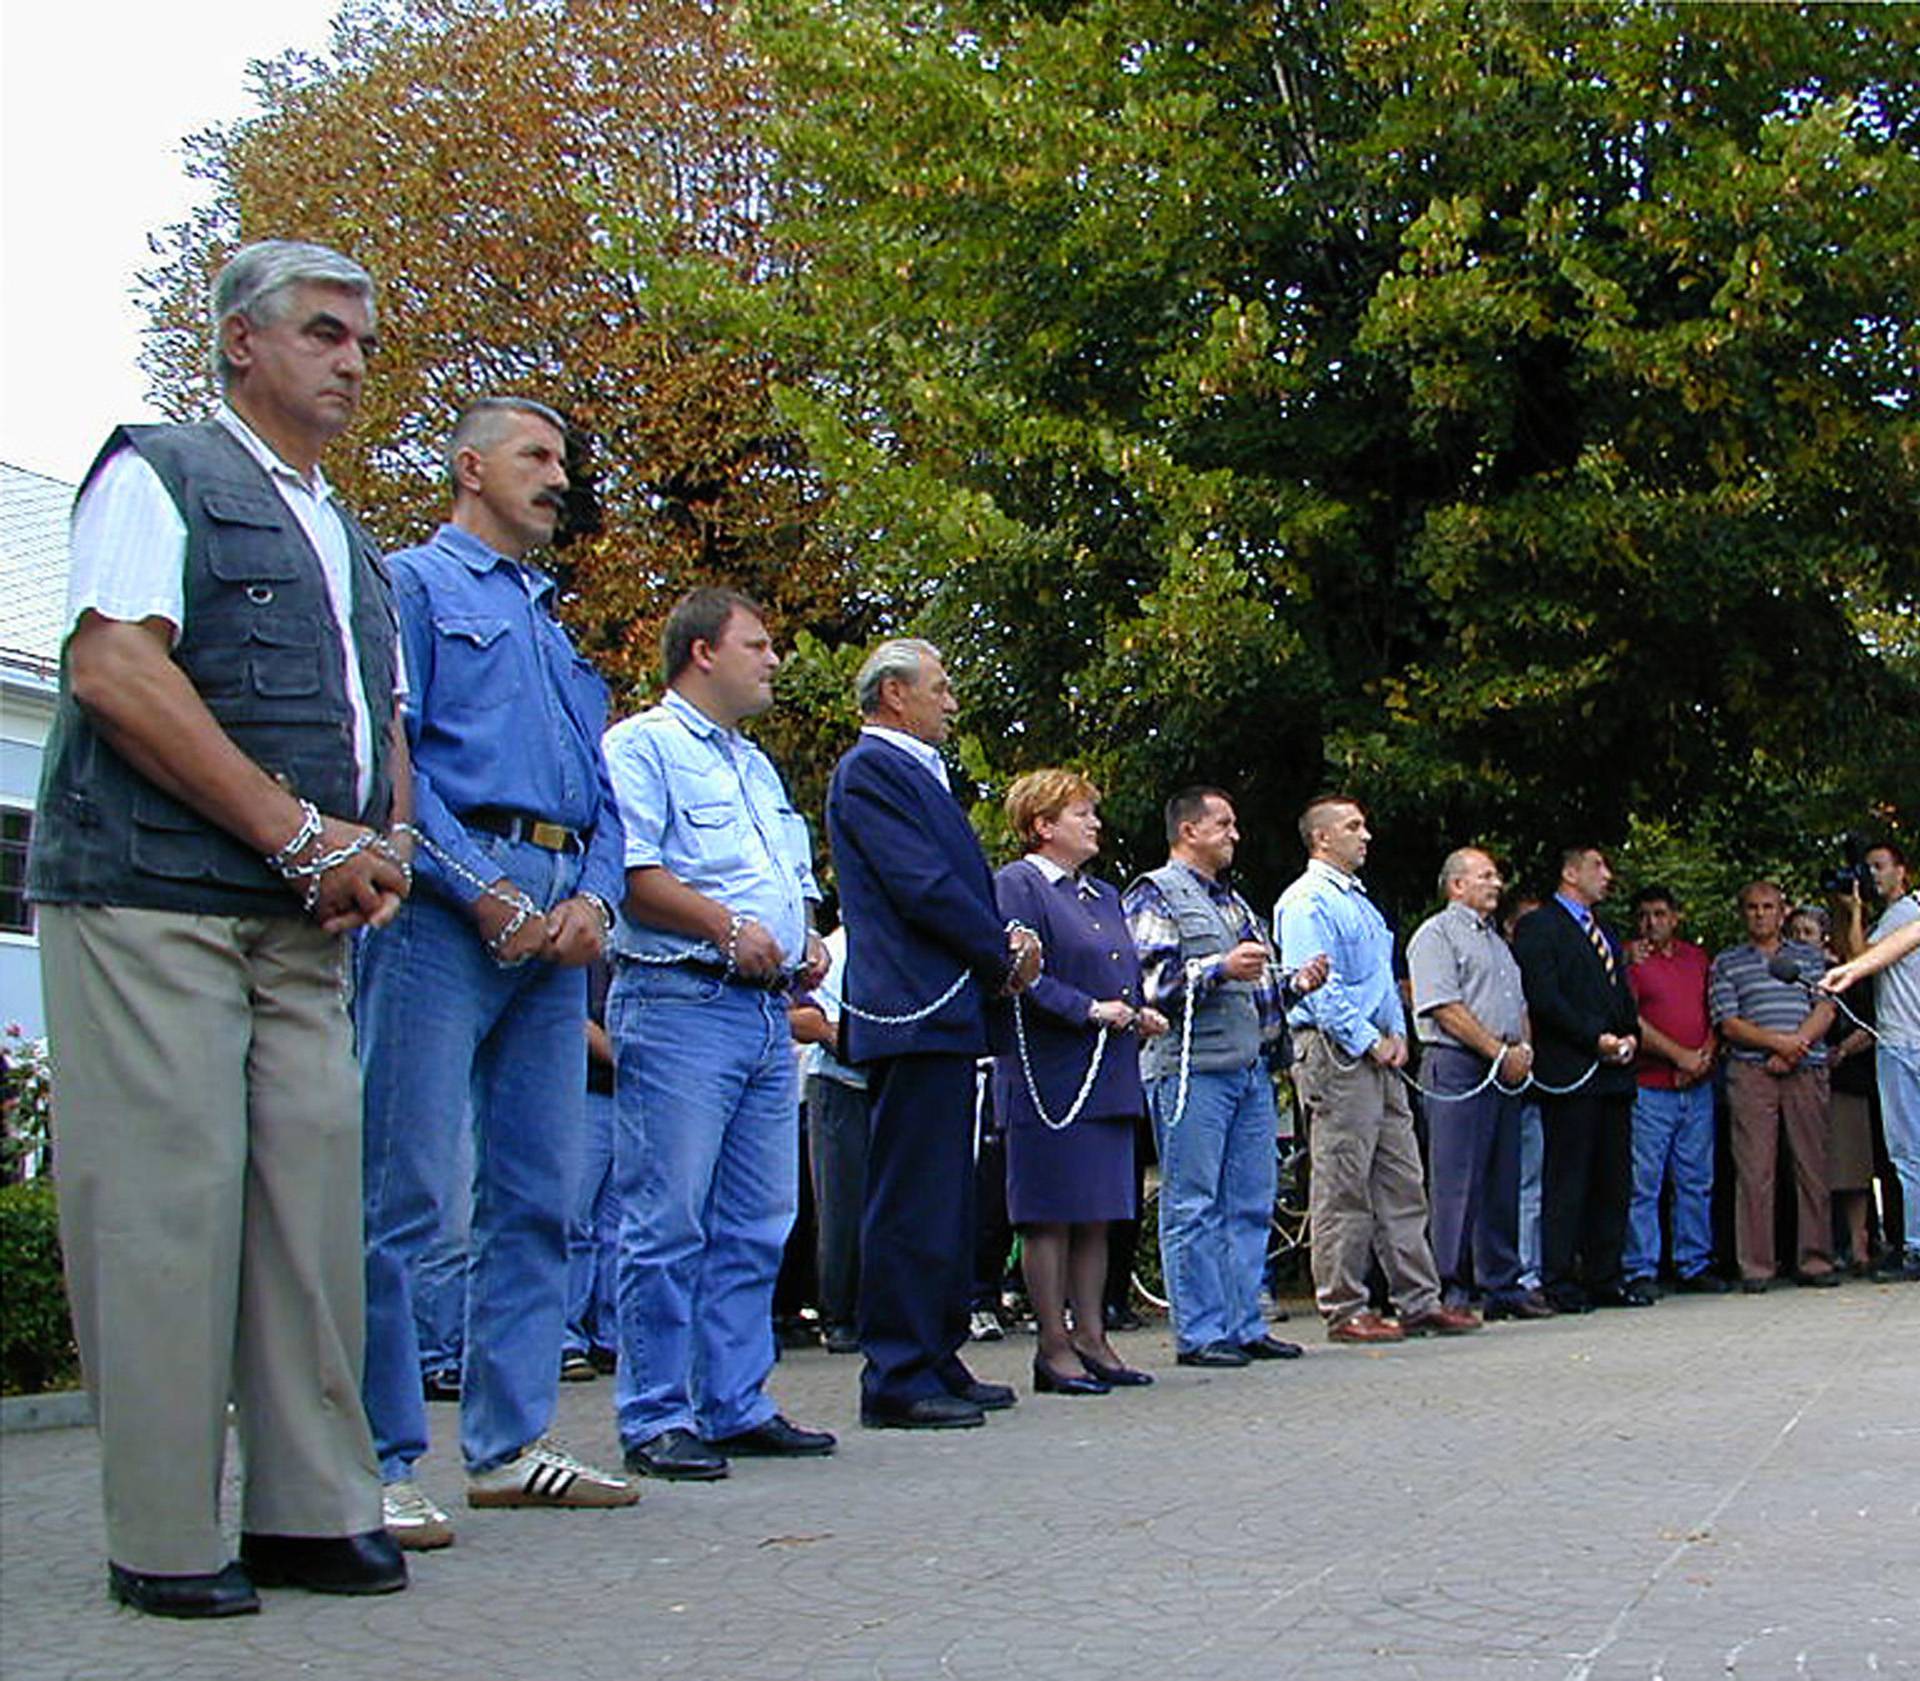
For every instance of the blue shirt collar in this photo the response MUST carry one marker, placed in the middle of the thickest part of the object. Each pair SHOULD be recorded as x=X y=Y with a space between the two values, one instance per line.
x=924 y=753
x=477 y=557
x=1582 y=914
x=696 y=721
x=1333 y=873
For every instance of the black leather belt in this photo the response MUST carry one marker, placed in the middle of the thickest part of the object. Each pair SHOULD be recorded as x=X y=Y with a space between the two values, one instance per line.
x=779 y=981
x=518 y=826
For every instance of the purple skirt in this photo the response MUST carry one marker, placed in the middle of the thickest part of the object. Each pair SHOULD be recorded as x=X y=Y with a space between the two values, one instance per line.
x=1082 y=1172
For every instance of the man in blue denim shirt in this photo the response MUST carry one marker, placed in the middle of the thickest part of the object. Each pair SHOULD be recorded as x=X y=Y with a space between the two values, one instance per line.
x=716 y=922
x=1350 y=1044
x=480 y=987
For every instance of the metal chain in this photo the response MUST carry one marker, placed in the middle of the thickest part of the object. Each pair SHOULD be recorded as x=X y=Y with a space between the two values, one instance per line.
x=939 y=1003
x=1033 y=1088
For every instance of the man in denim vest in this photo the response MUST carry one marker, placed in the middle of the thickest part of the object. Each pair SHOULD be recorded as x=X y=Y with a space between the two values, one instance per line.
x=210 y=826
x=1205 y=963
x=472 y=1008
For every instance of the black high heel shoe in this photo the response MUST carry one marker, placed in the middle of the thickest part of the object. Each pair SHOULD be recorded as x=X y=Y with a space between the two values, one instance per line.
x=1114 y=1377
x=1046 y=1381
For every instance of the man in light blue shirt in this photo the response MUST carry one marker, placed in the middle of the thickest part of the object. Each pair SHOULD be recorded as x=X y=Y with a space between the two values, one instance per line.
x=715 y=925
x=1350 y=1045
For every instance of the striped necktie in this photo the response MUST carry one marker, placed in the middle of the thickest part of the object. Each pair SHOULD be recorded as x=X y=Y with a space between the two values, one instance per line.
x=1600 y=944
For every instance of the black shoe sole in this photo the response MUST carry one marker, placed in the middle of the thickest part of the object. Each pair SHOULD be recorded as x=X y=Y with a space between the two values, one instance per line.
x=676 y=1473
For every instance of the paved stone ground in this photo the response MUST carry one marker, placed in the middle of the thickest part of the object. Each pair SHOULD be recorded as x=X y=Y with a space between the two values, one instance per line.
x=1714 y=1487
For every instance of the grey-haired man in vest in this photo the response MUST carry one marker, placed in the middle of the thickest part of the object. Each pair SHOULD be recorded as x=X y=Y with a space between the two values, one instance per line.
x=1202 y=951
x=212 y=823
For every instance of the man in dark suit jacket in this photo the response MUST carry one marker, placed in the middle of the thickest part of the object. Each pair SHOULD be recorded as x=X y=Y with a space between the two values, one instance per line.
x=1584 y=1018
x=929 y=960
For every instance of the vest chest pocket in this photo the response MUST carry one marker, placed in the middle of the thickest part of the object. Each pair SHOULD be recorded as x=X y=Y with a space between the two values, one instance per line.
x=246 y=541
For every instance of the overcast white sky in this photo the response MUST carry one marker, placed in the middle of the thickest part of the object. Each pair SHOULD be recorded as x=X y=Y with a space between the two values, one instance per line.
x=94 y=102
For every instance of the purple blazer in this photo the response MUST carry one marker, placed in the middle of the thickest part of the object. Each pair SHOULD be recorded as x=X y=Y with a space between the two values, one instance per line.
x=1089 y=956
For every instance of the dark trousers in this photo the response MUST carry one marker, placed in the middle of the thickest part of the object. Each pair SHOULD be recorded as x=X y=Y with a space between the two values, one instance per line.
x=837 y=1135
x=1586 y=1183
x=916 y=1241
x=1474 y=1154
x=993 y=1231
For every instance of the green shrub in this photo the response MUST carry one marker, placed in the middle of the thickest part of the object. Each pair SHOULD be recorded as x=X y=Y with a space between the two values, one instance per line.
x=36 y=1334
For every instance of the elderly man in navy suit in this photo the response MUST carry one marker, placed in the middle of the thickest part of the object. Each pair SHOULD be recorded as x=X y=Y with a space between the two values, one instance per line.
x=929 y=961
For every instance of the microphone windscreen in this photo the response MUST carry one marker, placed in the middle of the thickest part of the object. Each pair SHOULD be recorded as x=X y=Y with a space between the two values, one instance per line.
x=1783 y=968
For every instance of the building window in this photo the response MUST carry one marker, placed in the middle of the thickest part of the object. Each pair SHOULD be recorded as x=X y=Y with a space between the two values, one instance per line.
x=16 y=829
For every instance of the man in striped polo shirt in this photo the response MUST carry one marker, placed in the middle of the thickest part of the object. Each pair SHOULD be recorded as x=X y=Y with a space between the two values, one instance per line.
x=1776 y=1075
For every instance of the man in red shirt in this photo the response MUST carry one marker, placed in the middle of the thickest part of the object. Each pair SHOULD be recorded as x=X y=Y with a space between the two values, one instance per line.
x=1673 y=1109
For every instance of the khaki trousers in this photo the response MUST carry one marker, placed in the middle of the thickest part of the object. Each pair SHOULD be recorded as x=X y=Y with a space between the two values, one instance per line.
x=1367 y=1194
x=1759 y=1104
x=207 y=1147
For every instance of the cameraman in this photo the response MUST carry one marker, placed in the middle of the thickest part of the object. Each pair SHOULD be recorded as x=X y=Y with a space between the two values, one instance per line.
x=1895 y=956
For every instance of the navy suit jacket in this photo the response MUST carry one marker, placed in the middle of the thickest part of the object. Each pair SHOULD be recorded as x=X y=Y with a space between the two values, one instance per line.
x=917 y=898
x=1571 y=1001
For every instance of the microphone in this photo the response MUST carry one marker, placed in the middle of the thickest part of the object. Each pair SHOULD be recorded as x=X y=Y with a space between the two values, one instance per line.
x=1783 y=968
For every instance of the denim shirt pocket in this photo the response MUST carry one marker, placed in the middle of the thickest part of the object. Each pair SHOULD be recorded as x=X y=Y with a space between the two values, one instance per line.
x=711 y=829
x=475 y=669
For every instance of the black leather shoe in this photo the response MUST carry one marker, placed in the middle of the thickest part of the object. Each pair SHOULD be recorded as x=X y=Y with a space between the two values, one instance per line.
x=778 y=1438
x=1046 y=1381
x=1216 y=1354
x=1569 y=1299
x=1755 y=1286
x=988 y=1397
x=1271 y=1348
x=1703 y=1284
x=1628 y=1295
x=677 y=1456
x=441 y=1386
x=929 y=1412
x=1828 y=1280
x=1528 y=1305
x=368 y=1563
x=1121 y=1317
x=228 y=1593
x=1115 y=1377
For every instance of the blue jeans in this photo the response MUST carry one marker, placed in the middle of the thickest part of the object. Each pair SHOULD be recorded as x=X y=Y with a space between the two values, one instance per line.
x=1672 y=1133
x=1532 y=1150
x=1217 y=1177
x=707 y=1166
x=593 y=1237
x=443 y=1029
x=440 y=1272
x=1898 y=1063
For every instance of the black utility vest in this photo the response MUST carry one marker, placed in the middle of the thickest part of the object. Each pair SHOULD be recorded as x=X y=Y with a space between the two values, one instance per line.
x=262 y=646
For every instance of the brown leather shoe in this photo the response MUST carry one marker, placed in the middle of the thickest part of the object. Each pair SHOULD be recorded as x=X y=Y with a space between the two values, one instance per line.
x=1365 y=1327
x=1441 y=1321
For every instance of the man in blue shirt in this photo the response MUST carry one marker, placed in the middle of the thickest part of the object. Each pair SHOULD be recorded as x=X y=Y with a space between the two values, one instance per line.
x=479 y=988
x=715 y=925
x=1350 y=1045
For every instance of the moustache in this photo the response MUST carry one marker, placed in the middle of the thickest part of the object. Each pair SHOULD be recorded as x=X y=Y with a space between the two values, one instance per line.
x=554 y=499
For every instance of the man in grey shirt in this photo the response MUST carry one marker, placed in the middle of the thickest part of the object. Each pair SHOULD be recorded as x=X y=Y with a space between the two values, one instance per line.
x=1471 y=1014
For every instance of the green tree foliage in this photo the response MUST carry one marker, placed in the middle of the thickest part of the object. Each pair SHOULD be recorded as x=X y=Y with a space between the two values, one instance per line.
x=1505 y=410
x=460 y=149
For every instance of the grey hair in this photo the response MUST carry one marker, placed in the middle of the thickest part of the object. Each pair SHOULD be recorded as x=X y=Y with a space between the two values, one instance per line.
x=1455 y=865
x=899 y=658
x=257 y=278
x=478 y=426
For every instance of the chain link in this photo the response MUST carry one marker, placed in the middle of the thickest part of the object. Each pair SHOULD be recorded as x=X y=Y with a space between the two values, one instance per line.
x=1033 y=1087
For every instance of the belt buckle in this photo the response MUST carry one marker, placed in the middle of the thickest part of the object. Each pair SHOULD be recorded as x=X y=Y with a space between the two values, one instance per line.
x=553 y=836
